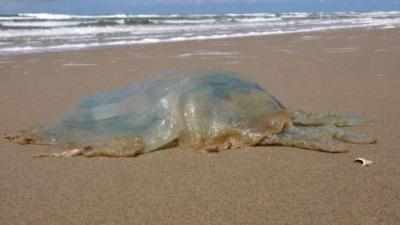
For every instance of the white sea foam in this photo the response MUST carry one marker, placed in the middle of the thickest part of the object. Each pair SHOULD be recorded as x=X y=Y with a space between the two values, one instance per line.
x=2 y=18
x=294 y=15
x=48 y=16
x=93 y=30
x=258 y=20
x=250 y=14
x=40 y=23
x=62 y=31
x=185 y=21
x=208 y=53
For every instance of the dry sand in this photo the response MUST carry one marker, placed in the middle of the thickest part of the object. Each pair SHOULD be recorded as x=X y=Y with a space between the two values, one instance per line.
x=339 y=71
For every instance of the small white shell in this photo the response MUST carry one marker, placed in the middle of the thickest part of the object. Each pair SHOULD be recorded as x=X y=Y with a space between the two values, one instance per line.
x=364 y=162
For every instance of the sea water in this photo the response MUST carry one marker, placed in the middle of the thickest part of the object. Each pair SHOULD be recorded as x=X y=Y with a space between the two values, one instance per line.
x=41 y=32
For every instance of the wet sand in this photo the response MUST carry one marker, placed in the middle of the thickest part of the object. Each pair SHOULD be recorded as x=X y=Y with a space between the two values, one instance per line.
x=339 y=71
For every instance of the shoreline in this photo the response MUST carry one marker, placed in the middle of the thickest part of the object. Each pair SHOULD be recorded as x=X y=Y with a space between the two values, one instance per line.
x=38 y=32
x=353 y=70
x=209 y=38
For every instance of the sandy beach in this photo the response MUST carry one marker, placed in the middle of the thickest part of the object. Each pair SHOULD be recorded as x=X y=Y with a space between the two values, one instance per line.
x=352 y=70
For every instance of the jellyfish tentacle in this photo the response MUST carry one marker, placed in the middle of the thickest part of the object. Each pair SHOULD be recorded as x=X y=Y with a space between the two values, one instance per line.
x=353 y=137
x=327 y=138
x=302 y=118
x=312 y=138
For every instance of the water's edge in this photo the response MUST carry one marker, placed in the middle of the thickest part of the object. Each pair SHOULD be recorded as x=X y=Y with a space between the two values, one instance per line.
x=41 y=32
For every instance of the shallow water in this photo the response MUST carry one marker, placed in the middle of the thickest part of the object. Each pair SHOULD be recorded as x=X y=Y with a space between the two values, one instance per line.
x=25 y=33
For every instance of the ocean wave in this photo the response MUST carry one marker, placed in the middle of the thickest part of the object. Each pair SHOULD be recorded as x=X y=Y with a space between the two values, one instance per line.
x=33 y=24
x=183 y=21
x=259 y=20
x=98 y=30
x=49 y=16
x=63 y=47
x=35 y=32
